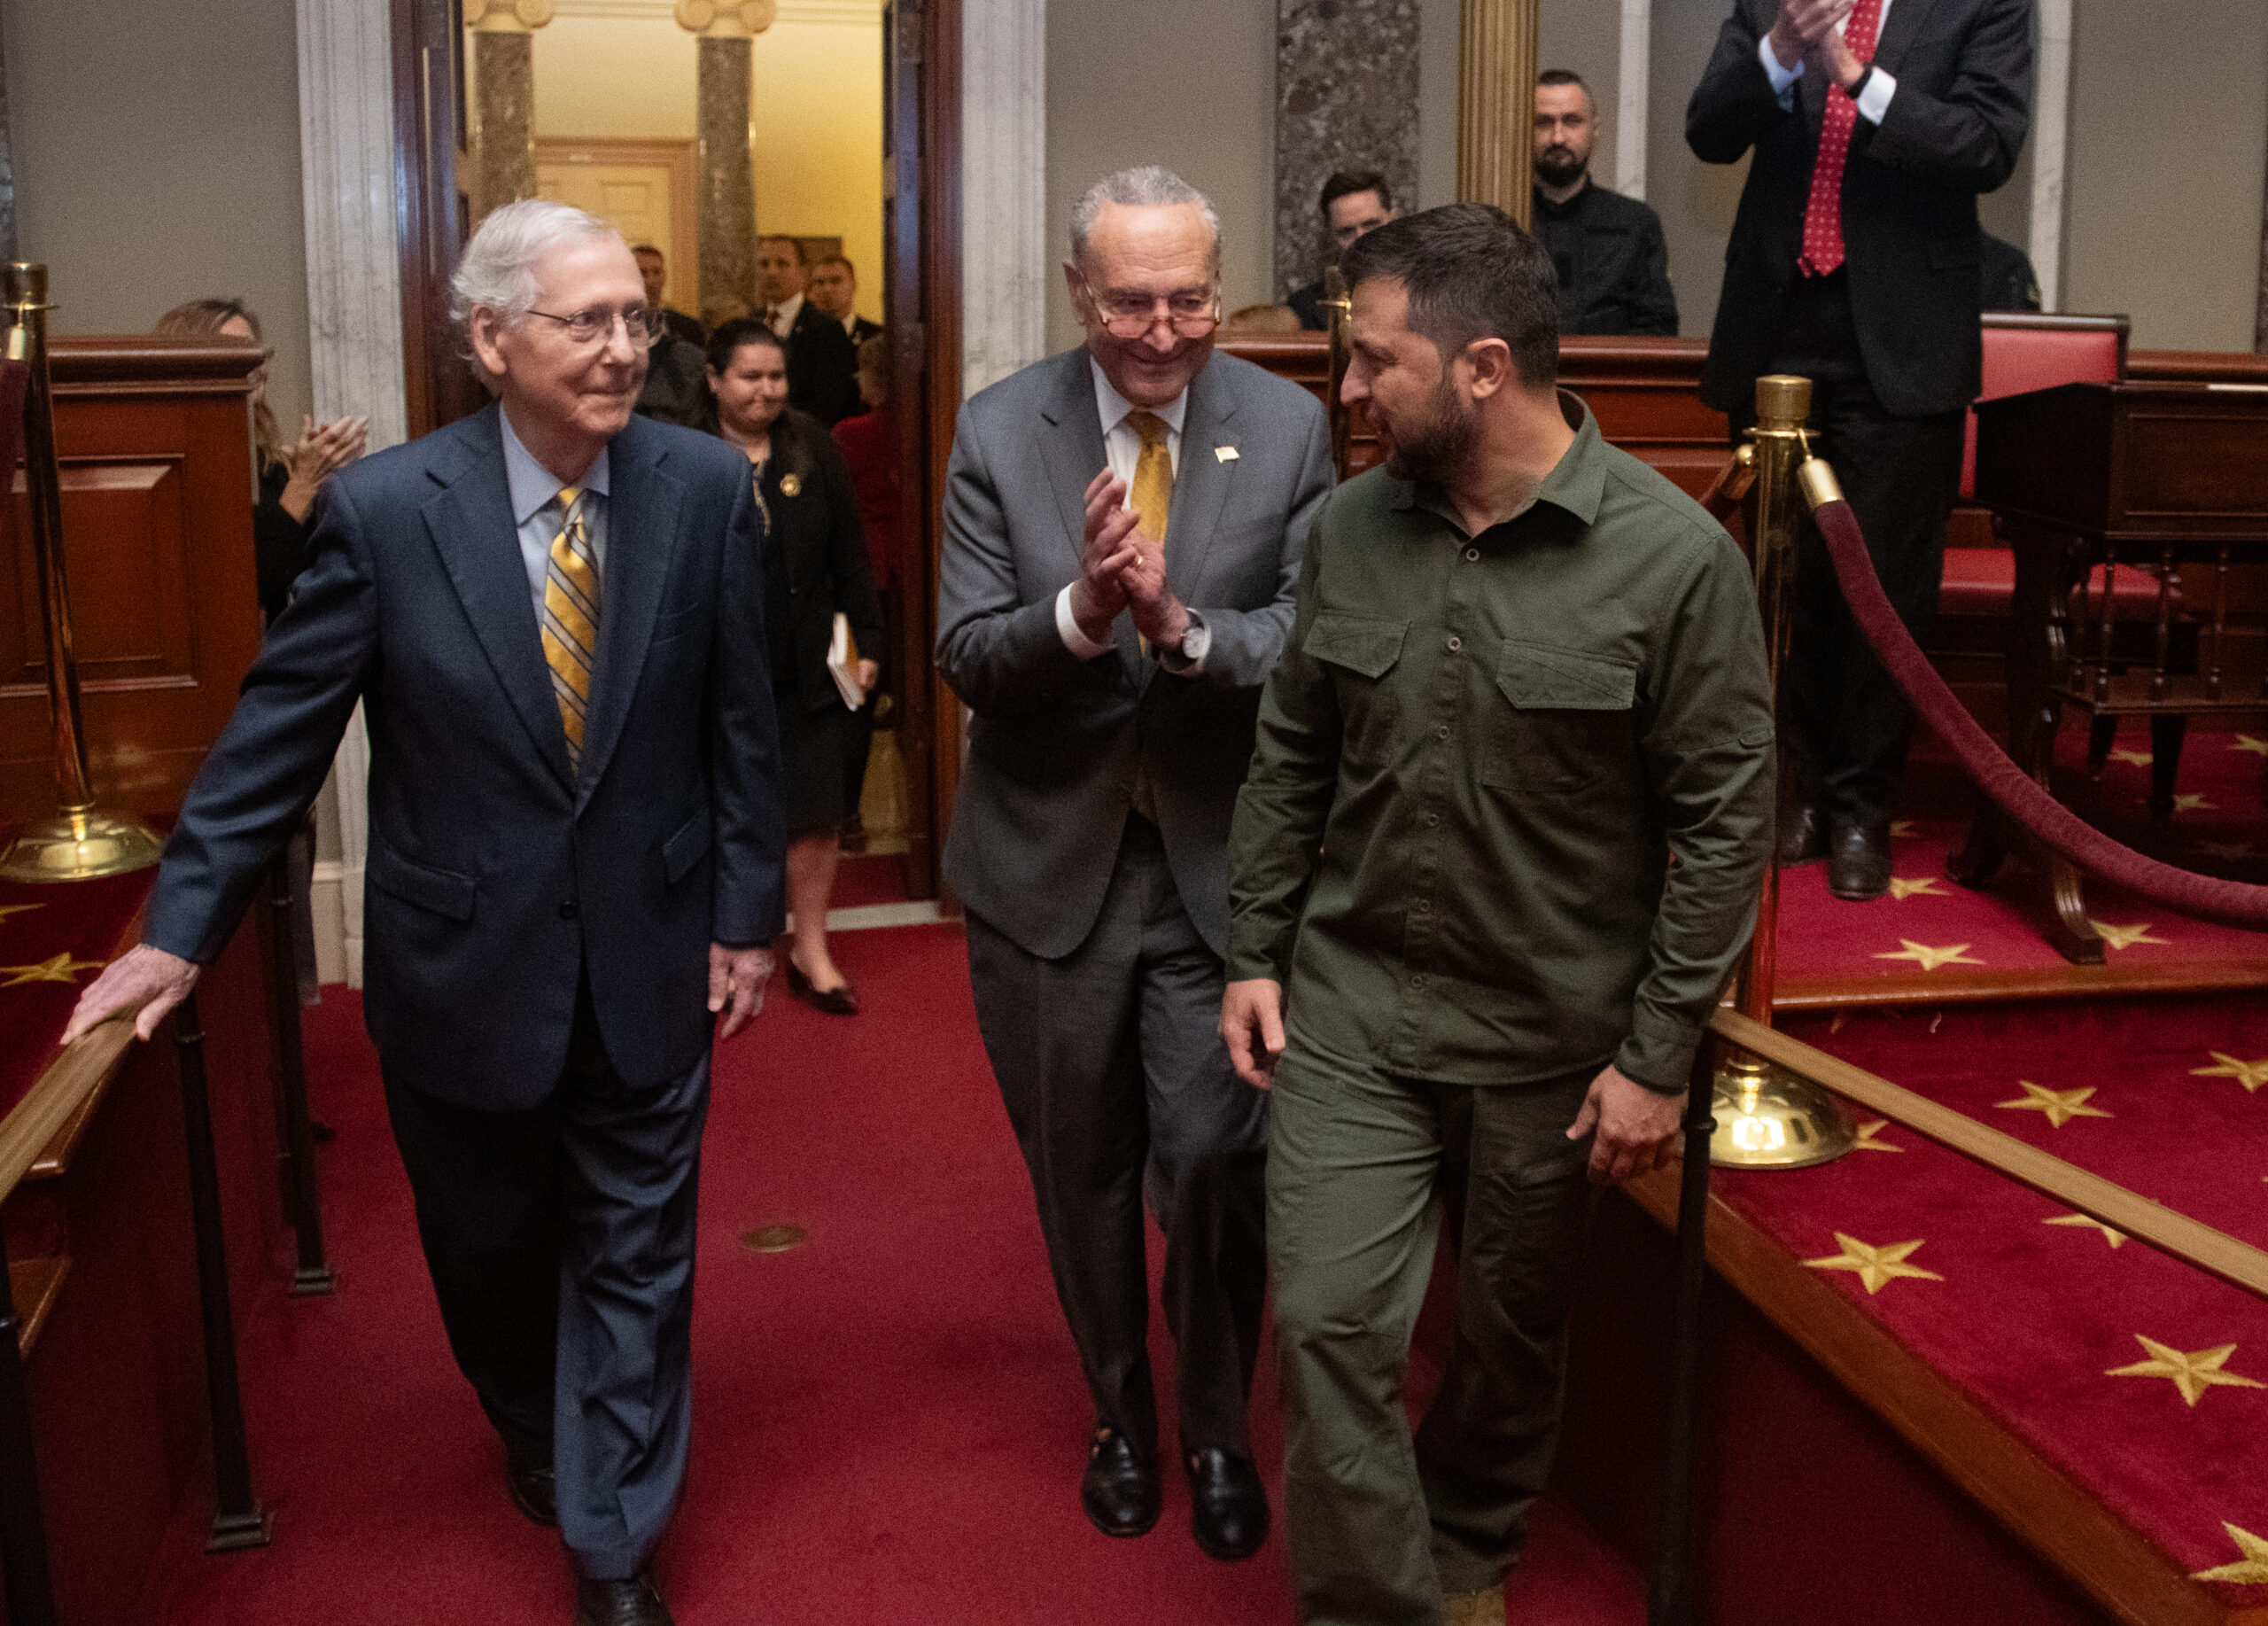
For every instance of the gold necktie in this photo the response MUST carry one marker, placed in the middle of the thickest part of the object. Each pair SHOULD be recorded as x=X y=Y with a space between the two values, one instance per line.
x=1153 y=496
x=570 y=621
x=1153 y=499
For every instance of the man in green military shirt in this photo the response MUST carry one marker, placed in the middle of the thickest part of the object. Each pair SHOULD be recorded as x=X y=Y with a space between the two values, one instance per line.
x=1499 y=849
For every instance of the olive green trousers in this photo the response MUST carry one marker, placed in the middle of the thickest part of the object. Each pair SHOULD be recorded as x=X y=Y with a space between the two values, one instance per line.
x=1363 y=1168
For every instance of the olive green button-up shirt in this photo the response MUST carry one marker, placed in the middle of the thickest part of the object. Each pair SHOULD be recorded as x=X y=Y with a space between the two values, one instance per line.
x=1512 y=796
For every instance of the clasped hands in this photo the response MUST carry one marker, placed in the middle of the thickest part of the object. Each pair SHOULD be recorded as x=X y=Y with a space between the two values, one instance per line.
x=1805 y=31
x=1122 y=567
x=1633 y=1130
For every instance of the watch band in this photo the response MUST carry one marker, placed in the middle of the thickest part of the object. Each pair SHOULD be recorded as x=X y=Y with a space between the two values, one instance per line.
x=1857 y=87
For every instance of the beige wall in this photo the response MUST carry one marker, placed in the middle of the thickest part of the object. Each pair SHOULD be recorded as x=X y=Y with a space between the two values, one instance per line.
x=157 y=151
x=816 y=115
x=1586 y=38
x=1211 y=118
x=2169 y=132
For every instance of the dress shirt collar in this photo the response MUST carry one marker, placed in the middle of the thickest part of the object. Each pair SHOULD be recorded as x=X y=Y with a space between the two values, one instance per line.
x=1577 y=482
x=1113 y=408
x=789 y=310
x=531 y=484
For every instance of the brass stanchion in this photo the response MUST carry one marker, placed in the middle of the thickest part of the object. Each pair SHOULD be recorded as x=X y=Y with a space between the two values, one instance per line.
x=1341 y=309
x=82 y=840
x=1766 y=1116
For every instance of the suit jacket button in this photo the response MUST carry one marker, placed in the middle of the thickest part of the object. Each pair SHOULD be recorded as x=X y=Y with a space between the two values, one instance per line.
x=567 y=910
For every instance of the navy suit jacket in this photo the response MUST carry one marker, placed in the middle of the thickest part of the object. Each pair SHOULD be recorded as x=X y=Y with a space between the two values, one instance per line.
x=498 y=876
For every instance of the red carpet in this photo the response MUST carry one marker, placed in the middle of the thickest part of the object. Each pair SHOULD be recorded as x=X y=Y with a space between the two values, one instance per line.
x=890 y=1422
x=2220 y=828
x=2042 y=1321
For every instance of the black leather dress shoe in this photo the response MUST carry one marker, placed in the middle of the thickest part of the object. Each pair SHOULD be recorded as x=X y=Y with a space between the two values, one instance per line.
x=1803 y=836
x=1120 y=1488
x=843 y=1001
x=530 y=1483
x=1228 y=1508
x=633 y=1602
x=1858 y=860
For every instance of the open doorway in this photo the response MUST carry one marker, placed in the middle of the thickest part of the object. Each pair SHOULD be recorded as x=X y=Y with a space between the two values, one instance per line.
x=609 y=111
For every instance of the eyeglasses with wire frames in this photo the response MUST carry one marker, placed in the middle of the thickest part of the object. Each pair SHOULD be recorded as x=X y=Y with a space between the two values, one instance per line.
x=583 y=326
x=1191 y=313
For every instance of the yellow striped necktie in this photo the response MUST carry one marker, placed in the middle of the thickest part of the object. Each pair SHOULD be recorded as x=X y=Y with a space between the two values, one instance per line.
x=571 y=616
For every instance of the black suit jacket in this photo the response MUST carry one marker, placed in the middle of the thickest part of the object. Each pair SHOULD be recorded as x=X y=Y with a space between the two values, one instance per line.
x=1910 y=235
x=816 y=539
x=861 y=330
x=822 y=367
x=498 y=876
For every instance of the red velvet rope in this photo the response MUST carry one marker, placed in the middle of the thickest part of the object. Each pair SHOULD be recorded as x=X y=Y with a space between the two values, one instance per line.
x=2013 y=791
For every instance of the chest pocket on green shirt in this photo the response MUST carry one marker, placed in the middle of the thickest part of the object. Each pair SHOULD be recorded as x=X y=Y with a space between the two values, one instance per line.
x=1565 y=723
x=1359 y=651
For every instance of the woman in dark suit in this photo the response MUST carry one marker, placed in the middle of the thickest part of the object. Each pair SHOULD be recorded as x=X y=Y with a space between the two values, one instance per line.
x=814 y=568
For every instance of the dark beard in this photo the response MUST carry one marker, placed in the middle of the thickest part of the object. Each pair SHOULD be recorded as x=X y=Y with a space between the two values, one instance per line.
x=1430 y=453
x=1559 y=167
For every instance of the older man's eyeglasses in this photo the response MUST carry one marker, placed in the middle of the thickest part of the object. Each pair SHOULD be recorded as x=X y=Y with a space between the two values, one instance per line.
x=1192 y=313
x=583 y=326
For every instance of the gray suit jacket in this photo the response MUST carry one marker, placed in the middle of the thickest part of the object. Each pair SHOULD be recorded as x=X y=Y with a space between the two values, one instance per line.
x=1056 y=741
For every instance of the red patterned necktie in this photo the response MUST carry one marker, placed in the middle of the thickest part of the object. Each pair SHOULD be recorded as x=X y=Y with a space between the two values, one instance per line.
x=1822 y=249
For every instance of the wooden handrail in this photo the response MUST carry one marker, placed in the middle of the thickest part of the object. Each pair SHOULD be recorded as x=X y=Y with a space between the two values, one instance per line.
x=2216 y=1253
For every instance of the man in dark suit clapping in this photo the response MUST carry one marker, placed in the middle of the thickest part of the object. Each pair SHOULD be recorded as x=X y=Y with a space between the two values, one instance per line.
x=550 y=613
x=1854 y=261
x=822 y=362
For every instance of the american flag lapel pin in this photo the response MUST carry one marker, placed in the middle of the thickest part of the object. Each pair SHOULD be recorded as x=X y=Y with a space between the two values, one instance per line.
x=1225 y=453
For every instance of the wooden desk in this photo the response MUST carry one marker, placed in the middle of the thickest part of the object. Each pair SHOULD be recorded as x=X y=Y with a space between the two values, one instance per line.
x=2133 y=475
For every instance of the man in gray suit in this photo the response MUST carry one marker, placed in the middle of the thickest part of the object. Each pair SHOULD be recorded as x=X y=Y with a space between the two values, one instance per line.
x=1124 y=524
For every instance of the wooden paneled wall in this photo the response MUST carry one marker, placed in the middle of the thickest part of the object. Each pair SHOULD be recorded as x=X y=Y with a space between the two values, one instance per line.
x=153 y=437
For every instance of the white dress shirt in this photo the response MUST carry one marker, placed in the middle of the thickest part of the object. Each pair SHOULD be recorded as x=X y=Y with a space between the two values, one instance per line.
x=786 y=310
x=1874 y=101
x=532 y=486
x=1121 y=447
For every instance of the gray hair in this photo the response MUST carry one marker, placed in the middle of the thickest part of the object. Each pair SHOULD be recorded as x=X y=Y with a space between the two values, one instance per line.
x=498 y=267
x=1146 y=186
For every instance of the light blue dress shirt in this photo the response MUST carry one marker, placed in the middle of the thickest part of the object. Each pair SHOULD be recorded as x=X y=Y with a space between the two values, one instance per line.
x=532 y=486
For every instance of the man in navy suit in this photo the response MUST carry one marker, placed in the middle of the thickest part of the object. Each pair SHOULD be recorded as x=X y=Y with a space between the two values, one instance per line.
x=550 y=612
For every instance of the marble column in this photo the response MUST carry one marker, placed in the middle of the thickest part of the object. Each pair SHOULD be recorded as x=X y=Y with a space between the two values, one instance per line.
x=1005 y=261
x=726 y=81
x=1345 y=98
x=503 y=67
x=7 y=175
x=354 y=337
x=2051 y=129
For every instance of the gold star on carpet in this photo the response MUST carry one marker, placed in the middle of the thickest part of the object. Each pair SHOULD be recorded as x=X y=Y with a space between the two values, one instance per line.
x=2060 y=1106
x=1901 y=829
x=62 y=969
x=2117 y=1239
x=1874 y=1266
x=7 y=909
x=1920 y=886
x=2139 y=758
x=2245 y=741
x=2251 y=1570
x=2224 y=848
x=2194 y=804
x=1865 y=1142
x=1930 y=959
x=2193 y=1374
x=2252 y=1075
x=2126 y=936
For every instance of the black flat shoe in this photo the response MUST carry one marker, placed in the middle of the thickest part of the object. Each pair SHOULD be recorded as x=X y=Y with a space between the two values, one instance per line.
x=1803 y=838
x=1228 y=1508
x=1120 y=1488
x=633 y=1602
x=842 y=1001
x=532 y=1487
x=1858 y=860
